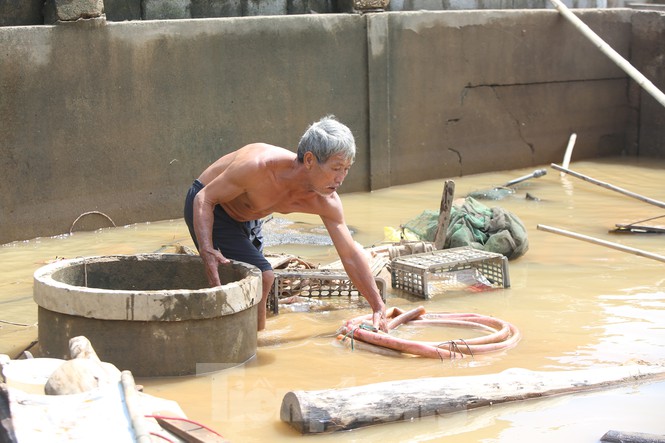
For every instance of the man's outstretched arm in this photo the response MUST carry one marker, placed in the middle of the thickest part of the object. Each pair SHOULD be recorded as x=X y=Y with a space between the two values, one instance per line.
x=357 y=268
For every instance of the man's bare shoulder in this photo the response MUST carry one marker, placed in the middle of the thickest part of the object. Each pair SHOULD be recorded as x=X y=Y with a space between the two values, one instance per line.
x=264 y=152
x=261 y=158
x=251 y=158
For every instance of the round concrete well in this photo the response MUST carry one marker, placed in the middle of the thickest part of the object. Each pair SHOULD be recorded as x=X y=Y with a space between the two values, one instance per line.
x=152 y=314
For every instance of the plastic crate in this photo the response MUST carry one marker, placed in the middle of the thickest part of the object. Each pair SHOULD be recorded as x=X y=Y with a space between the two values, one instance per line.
x=418 y=272
x=319 y=283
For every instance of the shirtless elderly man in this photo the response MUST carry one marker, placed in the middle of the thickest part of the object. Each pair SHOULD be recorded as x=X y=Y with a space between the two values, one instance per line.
x=225 y=205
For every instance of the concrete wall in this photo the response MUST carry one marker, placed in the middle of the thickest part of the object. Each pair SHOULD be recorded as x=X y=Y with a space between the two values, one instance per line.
x=120 y=117
x=471 y=92
x=647 y=54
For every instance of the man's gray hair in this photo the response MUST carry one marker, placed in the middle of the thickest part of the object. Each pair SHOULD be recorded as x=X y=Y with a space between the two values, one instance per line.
x=326 y=138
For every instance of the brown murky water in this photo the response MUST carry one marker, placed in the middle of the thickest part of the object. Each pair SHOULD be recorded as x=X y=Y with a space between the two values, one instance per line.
x=578 y=305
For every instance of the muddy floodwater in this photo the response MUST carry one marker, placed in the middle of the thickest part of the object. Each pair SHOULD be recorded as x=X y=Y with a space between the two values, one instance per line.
x=578 y=306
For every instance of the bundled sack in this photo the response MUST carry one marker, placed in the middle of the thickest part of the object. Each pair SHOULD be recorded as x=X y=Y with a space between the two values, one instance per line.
x=474 y=224
x=489 y=229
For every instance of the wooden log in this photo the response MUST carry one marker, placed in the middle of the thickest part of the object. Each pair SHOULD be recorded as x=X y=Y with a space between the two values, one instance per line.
x=444 y=214
x=330 y=410
x=632 y=437
x=609 y=186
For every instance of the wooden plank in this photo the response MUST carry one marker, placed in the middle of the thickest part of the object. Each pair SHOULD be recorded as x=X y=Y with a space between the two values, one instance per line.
x=444 y=214
x=639 y=229
x=325 y=411
x=189 y=431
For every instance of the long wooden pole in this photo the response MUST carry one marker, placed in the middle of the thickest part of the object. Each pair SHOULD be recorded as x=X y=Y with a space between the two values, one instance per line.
x=611 y=53
x=609 y=186
x=331 y=410
x=601 y=242
x=134 y=408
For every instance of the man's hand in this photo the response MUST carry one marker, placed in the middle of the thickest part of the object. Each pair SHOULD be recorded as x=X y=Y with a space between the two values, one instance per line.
x=211 y=260
x=379 y=319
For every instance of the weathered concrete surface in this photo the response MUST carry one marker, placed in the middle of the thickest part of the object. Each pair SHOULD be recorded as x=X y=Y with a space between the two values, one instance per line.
x=120 y=117
x=153 y=314
x=21 y=12
x=144 y=287
x=649 y=57
x=472 y=92
x=67 y=10
x=156 y=349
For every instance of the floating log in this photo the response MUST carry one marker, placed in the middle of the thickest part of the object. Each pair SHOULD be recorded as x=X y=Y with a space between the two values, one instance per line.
x=632 y=437
x=331 y=410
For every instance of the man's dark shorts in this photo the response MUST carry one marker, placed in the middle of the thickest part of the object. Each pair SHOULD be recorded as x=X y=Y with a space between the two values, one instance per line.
x=240 y=241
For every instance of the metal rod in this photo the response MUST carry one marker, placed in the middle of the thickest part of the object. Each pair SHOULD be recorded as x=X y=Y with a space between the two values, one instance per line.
x=611 y=53
x=601 y=242
x=609 y=186
x=535 y=174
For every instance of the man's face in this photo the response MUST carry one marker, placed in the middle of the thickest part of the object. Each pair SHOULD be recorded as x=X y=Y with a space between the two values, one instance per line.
x=332 y=173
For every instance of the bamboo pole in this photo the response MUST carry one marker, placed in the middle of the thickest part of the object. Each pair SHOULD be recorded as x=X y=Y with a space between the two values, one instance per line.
x=569 y=151
x=602 y=242
x=609 y=186
x=621 y=62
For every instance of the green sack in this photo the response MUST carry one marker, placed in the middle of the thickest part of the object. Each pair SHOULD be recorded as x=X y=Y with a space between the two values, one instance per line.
x=474 y=224
x=489 y=229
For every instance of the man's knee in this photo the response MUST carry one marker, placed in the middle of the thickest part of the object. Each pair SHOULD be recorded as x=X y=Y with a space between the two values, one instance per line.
x=268 y=277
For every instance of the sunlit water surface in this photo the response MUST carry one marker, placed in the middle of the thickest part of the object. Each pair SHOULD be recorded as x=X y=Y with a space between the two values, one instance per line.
x=578 y=306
